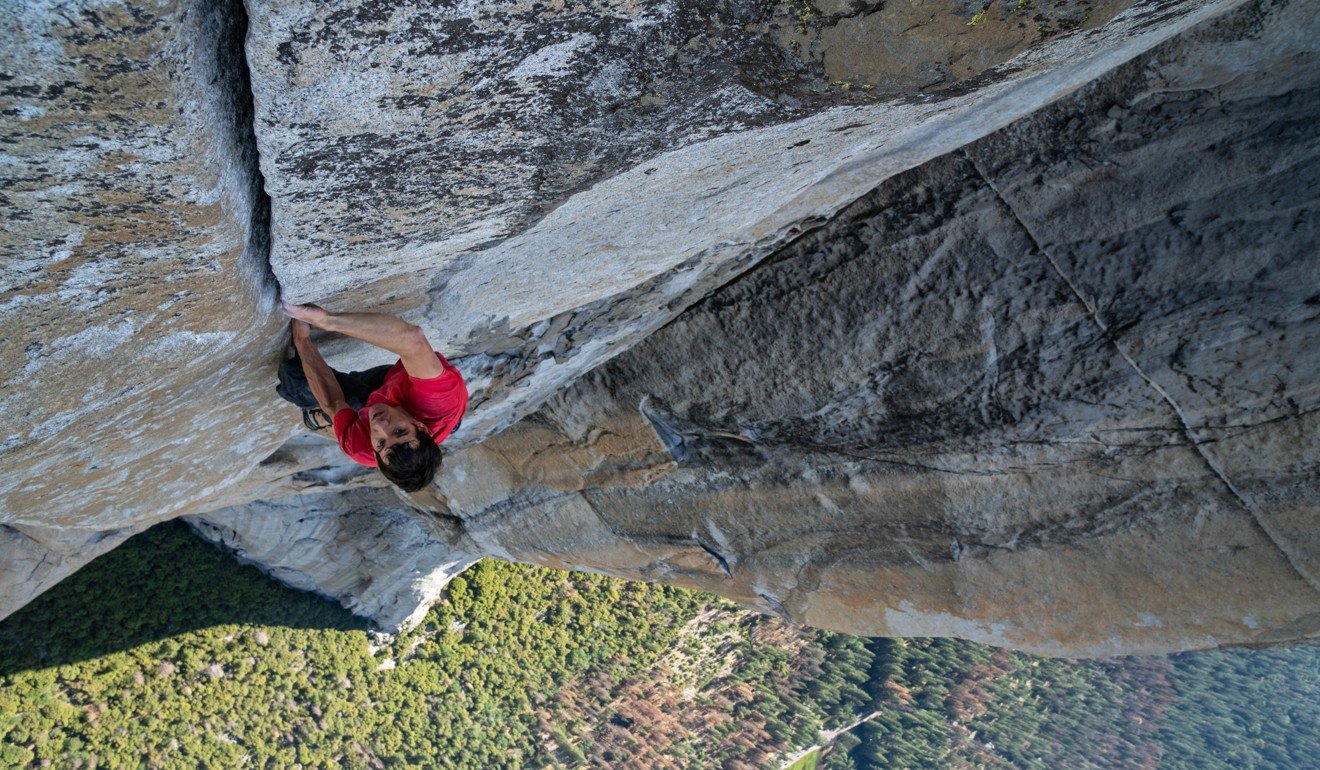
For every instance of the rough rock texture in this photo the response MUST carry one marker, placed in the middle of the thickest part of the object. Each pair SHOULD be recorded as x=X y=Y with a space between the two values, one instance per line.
x=542 y=189
x=135 y=302
x=896 y=48
x=411 y=135
x=369 y=551
x=1055 y=390
x=1049 y=387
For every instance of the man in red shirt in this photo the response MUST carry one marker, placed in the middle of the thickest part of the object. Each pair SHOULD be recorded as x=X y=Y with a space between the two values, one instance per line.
x=396 y=425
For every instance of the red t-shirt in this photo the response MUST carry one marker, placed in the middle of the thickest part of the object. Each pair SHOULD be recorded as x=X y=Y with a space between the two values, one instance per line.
x=437 y=403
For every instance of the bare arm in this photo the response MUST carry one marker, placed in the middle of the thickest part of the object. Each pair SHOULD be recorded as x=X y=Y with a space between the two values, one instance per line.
x=396 y=335
x=320 y=378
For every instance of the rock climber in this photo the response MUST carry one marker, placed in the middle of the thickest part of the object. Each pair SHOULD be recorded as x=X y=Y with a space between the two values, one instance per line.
x=392 y=417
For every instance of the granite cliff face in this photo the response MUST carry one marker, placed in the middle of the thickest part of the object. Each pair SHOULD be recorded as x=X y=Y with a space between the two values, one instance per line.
x=1012 y=394
x=135 y=298
x=1003 y=331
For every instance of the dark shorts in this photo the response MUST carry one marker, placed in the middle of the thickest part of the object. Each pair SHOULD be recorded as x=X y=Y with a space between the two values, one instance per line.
x=357 y=386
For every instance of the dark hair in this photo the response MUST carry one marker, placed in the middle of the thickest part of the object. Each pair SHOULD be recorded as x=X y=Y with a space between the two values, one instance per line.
x=412 y=469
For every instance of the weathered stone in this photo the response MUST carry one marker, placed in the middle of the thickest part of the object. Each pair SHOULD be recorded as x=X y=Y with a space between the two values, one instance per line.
x=365 y=550
x=1017 y=394
x=895 y=48
x=484 y=184
x=135 y=300
x=1049 y=386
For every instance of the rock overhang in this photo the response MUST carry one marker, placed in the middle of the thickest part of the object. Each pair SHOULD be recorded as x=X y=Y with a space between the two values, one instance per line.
x=563 y=257
x=668 y=219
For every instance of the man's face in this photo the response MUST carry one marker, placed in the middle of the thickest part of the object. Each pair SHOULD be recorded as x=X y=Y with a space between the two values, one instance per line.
x=390 y=427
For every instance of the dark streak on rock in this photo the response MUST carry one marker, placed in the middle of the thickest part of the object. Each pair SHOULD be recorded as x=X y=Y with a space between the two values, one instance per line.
x=776 y=605
x=228 y=21
x=717 y=556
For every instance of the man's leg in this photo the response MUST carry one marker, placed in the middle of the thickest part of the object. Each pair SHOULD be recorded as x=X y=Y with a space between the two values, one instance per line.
x=358 y=386
x=293 y=388
x=293 y=385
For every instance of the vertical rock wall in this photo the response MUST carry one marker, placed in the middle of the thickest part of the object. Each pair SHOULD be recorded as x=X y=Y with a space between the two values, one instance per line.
x=506 y=178
x=1017 y=394
x=1050 y=385
x=135 y=301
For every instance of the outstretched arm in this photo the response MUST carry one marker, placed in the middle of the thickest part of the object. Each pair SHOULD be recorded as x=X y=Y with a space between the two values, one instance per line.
x=396 y=335
x=320 y=377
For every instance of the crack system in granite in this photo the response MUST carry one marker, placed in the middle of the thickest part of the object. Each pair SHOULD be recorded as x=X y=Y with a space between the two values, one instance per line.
x=1190 y=430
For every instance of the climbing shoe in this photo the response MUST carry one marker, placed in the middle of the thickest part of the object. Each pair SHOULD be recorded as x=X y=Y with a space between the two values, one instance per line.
x=316 y=419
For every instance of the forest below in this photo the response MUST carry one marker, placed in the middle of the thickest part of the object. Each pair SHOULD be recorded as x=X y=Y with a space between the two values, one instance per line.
x=166 y=653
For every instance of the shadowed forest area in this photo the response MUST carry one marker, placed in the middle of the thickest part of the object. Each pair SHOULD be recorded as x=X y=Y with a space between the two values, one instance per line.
x=167 y=653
